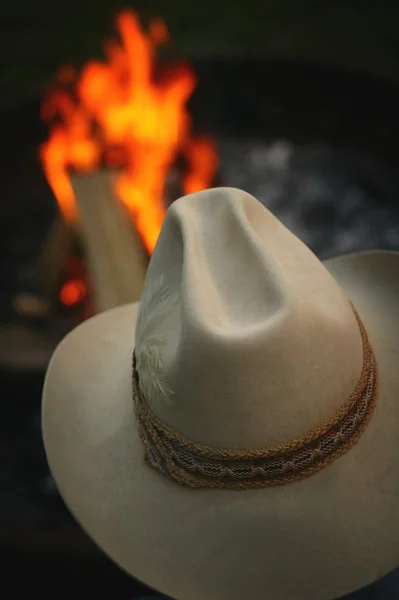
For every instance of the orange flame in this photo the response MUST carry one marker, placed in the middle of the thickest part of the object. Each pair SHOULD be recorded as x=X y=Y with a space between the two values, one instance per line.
x=118 y=110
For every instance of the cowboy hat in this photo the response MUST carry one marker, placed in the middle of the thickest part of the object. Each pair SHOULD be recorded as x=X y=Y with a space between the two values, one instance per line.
x=235 y=434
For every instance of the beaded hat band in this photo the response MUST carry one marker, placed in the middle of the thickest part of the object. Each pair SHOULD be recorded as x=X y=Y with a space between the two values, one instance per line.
x=199 y=466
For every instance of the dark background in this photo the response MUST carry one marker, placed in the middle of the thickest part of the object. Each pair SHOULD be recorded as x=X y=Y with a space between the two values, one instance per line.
x=36 y=37
x=315 y=81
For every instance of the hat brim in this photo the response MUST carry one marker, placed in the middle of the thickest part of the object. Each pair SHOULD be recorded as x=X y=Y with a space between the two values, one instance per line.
x=314 y=539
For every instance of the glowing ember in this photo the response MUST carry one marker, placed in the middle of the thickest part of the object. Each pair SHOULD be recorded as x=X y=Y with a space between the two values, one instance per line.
x=74 y=289
x=72 y=292
x=119 y=113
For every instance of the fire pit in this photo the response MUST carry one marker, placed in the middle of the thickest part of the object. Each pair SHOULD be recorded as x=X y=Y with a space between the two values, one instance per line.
x=319 y=147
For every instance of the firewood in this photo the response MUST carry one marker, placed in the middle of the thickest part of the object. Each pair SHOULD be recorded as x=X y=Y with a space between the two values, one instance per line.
x=53 y=255
x=115 y=256
x=26 y=348
x=30 y=305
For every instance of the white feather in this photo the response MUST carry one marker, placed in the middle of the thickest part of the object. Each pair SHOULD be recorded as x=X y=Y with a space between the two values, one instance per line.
x=156 y=306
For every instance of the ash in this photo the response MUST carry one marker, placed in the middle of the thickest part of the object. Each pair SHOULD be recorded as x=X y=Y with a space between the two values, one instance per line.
x=334 y=200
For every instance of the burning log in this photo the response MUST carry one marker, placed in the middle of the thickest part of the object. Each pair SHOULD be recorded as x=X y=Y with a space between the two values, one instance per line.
x=127 y=112
x=115 y=256
x=54 y=254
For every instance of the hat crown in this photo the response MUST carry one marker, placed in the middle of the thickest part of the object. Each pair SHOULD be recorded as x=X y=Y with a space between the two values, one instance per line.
x=243 y=337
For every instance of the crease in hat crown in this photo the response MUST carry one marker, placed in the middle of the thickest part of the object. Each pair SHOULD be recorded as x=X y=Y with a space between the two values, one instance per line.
x=243 y=337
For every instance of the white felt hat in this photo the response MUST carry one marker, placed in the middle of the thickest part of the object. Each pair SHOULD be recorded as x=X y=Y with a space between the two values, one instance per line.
x=248 y=349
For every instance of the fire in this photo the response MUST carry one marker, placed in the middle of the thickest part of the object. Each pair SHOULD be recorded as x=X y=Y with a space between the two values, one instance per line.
x=72 y=292
x=123 y=113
